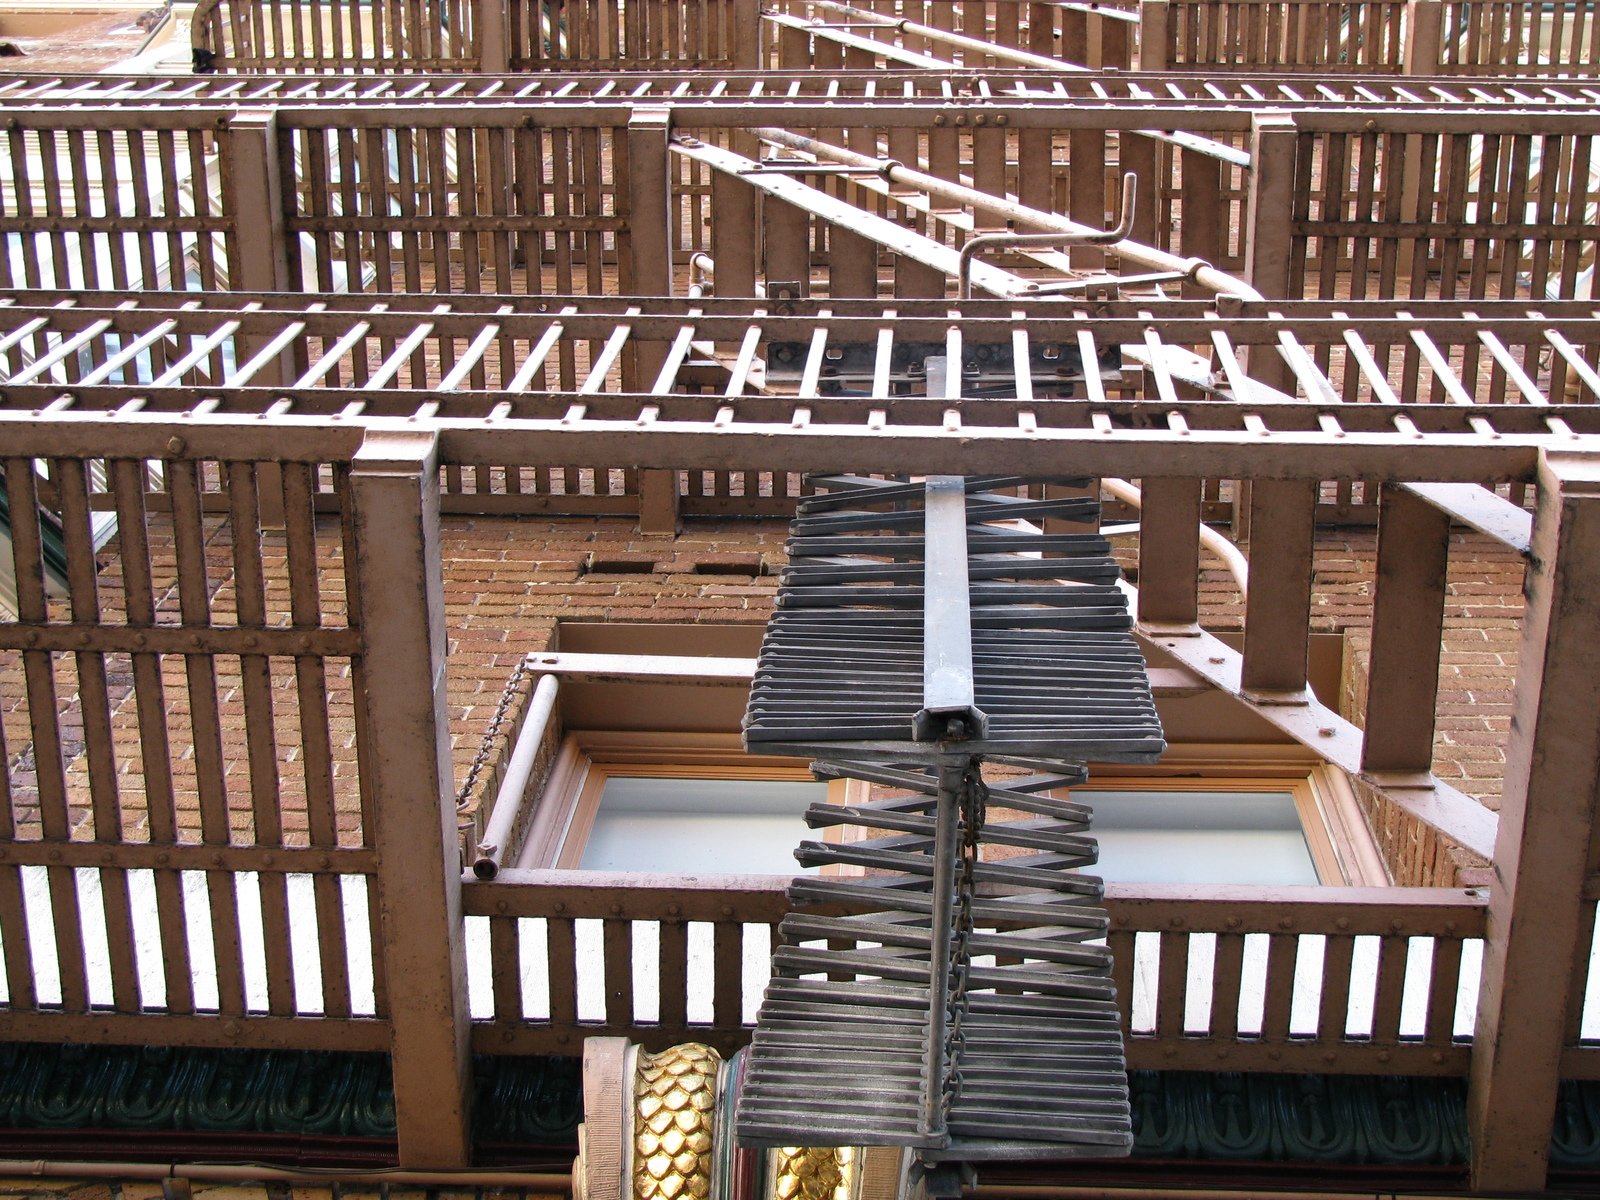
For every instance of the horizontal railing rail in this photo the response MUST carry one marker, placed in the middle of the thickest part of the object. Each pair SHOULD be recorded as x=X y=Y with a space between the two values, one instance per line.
x=1353 y=980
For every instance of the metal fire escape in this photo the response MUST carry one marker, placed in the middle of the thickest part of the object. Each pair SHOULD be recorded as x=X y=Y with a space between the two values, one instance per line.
x=947 y=987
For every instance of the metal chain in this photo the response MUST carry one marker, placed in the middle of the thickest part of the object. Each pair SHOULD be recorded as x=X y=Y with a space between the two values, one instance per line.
x=974 y=804
x=481 y=759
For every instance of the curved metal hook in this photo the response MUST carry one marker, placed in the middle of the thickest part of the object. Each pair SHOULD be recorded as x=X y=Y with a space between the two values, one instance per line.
x=1048 y=241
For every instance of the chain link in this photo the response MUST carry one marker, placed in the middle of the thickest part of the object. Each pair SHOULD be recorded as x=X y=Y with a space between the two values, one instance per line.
x=974 y=805
x=481 y=759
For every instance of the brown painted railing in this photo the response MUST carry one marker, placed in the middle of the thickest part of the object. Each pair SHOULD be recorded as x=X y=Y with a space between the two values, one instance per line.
x=340 y=35
x=1357 y=980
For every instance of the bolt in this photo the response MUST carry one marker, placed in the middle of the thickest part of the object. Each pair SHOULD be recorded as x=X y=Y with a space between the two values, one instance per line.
x=1325 y=731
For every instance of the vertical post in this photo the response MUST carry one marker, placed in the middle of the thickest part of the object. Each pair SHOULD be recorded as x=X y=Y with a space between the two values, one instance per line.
x=1272 y=193
x=733 y=235
x=794 y=49
x=253 y=198
x=394 y=498
x=1407 y=624
x=1154 y=34
x=650 y=202
x=1546 y=846
x=650 y=274
x=749 y=33
x=1423 y=52
x=1169 y=551
x=1270 y=238
x=786 y=248
x=494 y=51
x=1277 y=619
x=1042 y=29
x=1086 y=192
x=1204 y=216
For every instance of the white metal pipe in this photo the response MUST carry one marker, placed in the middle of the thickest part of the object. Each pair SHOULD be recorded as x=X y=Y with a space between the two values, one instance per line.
x=512 y=796
x=1238 y=566
x=971 y=45
x=1203 y=273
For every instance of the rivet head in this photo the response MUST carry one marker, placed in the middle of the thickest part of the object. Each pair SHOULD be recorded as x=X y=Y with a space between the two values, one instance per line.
x=501 y=906
x=1286 y=923
x=560 y=907
x=230 y=1028
x=266 y=860
x=1233 y=922
x=563 y=1038
x=216 y=860
x=616 y=910
x=1342 y=923
x=506 y=1035
x=175 y=445
x=163 y=858
x=674 y=909
x=727 y=910
x=324 y=861
x=1325 y=731
x=55 y=856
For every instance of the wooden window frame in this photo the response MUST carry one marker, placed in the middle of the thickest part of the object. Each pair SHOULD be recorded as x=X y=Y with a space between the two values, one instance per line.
x=1342 y=847
x=565 y=811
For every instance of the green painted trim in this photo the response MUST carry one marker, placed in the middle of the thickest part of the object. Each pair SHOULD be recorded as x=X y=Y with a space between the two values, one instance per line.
x=1353 y=1119
x=519 y=1100
x=1177 y=1115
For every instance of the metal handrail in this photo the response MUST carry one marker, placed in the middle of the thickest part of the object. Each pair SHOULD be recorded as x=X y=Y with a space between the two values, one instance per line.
x=1047 y=241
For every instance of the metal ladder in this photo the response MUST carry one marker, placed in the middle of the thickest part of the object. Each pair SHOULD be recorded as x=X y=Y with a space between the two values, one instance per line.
x=949 y=993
